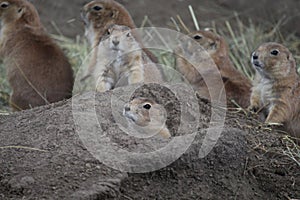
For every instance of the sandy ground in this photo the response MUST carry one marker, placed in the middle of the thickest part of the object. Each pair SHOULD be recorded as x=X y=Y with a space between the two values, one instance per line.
x=246 y=163
x=42 y=155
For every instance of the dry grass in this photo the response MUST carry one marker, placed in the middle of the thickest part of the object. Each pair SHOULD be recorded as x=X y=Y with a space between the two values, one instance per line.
x=292 y=150
x=77 y=50
x=246 y=37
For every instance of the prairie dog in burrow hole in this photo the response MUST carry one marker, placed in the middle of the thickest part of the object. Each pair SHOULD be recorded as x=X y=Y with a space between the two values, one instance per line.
x=147 y=116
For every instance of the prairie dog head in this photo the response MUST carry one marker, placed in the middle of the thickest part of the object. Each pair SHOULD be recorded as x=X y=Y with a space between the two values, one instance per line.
x=273 y=61
x=145 y=113
x=13 y=11
x=214 y=44
x=119 y=39
x=99 y=14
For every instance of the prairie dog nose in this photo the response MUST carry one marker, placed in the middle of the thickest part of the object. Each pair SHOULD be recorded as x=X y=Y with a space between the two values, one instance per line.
x=116 y=42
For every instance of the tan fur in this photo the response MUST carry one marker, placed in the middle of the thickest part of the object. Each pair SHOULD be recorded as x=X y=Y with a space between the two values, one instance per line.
x=121 y=61
x=237 y=86
x=276 y=89
x=153 y=118
x=37 y=70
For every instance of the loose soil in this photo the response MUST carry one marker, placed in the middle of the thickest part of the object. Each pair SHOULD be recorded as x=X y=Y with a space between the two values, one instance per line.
x=43 y=157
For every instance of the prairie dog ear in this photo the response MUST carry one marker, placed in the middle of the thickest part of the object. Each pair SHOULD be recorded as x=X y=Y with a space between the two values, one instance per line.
x=208 y=29
x=115 y=14
x=21 y=11
x=165 y=133
x=225 y=79
x=292 y=60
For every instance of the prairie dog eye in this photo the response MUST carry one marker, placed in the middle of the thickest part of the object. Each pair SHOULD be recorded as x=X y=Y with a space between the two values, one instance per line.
x=108 y=32
x=97 y=8
x=4 y=5
x=274 y=52
x=128 y=34
x=197 y=37
x=147 y=106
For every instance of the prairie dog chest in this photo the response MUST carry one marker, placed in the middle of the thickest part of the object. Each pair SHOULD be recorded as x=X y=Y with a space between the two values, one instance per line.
x=267 y=92
x=122 y=64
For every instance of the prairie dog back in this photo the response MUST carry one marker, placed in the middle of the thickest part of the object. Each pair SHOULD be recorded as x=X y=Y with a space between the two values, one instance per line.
x=37 y=69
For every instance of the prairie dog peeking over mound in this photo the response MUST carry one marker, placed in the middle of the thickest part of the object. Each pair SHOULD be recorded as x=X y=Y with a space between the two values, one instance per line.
x=146 y=116
x=121 y=61
x=276 y=88
x=38 y=71
x=237 y=86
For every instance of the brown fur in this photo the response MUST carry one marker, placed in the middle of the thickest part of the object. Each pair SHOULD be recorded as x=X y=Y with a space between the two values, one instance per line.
x=237 y=86
x=276 y=89
x=37 y=70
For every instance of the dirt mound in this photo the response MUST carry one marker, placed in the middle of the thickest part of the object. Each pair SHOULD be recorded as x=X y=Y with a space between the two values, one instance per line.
x=42 y=156
x=58 y=166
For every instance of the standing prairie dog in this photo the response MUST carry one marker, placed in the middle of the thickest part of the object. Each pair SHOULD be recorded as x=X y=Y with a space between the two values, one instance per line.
x=37 y=69
x=146 y=116
x=121 y=61
x=237 y=86
x=98 y=16
x=276 y=88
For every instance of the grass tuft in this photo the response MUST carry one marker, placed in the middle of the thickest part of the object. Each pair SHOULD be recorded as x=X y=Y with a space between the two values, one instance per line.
x=292 y=150
x=246 y=37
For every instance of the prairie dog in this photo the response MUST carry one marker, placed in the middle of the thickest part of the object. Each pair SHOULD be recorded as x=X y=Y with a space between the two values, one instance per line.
x=146 y=116
x=121 y=61
x=276 y=89
x=37 y=69
x=99 y=15
x=237 y=86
